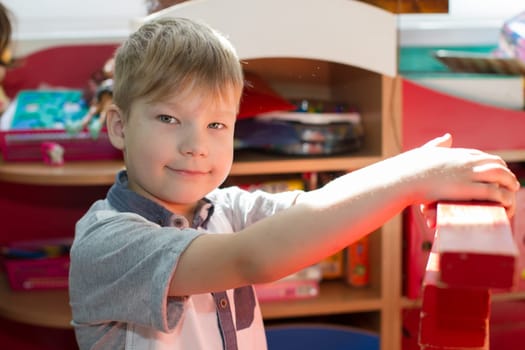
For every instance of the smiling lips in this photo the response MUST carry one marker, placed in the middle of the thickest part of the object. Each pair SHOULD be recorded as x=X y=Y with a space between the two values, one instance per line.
x=184 y=172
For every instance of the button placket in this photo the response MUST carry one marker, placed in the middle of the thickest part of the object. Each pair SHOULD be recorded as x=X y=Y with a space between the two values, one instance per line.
x=227 y=327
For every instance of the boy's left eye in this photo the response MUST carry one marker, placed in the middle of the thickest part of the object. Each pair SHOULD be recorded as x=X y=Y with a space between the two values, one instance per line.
x=216 y=125
x=167 y=119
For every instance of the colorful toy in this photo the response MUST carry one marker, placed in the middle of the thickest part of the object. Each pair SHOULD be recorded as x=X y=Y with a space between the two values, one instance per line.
x=100 y=93
x=52 y=153
x=96 y=116
x=512 y=37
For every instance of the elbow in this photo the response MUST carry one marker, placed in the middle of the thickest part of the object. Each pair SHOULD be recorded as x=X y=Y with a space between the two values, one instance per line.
x=256 y=271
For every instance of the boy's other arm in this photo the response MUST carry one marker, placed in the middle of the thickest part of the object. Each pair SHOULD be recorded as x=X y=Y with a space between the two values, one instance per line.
x=326 y=220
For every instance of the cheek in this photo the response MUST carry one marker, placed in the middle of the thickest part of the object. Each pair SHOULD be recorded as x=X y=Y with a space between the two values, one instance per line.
x=225 y=158
x=140 y=151
x=223 y=147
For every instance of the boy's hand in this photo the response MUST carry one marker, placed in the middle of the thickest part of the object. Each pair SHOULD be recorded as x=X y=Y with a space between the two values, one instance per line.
x=464 y=174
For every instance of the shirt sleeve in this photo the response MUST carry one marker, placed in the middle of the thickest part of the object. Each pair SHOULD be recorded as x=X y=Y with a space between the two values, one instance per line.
x=121 y=265
x=243 y=208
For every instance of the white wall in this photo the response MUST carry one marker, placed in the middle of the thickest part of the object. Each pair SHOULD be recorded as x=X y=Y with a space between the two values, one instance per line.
x=469 y=22
x=41 y=23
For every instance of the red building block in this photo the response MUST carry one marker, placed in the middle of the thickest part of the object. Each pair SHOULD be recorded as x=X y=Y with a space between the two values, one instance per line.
x=458 y=302
x=451 y=317
x=454 y=336
x=476 y=246
x=455 y=302
x=456 y=295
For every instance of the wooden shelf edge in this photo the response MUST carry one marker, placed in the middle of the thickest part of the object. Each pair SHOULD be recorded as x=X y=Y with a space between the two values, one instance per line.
x=300 y=165
x=70 y=174
x=510 y=155
x=335 y=298
x=103 y=172
x=44 y=308
x=51 y=308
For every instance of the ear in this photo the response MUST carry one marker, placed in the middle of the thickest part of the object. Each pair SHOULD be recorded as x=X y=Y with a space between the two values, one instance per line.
x=115 y=122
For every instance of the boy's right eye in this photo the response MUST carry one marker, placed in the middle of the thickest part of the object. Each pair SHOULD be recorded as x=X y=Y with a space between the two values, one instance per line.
x=167 y=119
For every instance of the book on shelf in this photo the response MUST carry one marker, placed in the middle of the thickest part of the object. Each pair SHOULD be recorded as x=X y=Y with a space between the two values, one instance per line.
x=358 y=263
x=300 y=285
x=287 y=290
x=332 y=267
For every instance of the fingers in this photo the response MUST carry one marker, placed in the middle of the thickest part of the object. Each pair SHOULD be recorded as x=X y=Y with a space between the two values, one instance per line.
x=464 y=174
x=429 y=212
x=492 y=192
x=442 y=141
x=486 y=178
x=485 y=192
x=496 y=173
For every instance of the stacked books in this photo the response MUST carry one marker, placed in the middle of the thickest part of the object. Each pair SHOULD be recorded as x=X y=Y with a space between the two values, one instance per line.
x=300 y=285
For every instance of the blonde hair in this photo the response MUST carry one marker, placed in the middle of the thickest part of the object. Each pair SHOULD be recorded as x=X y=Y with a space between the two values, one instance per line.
x=173 y=55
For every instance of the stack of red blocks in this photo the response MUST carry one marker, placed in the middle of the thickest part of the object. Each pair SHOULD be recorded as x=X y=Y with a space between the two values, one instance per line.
x=473 y=252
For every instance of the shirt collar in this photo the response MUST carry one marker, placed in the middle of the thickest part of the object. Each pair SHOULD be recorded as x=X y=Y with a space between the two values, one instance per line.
x=125 y=200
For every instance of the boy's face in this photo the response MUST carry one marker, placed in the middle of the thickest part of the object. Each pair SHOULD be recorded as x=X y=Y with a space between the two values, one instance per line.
x=178 y=150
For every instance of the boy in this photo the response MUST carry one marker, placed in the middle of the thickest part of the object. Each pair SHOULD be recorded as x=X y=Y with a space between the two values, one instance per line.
x=167 y=260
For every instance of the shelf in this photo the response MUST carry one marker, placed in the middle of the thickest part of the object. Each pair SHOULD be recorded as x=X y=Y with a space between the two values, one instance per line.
x=250 y=163
x=335 y=298
x=71 y=173
x=295 y=58
x=51 y=308
x=103 y=172
x=48 y=308
x=511 y=155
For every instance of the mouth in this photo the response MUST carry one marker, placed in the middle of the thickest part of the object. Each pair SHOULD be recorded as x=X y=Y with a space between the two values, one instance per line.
x=188 y=172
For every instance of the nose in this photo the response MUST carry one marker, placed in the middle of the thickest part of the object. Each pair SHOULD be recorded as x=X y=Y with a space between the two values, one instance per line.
x=194 y=143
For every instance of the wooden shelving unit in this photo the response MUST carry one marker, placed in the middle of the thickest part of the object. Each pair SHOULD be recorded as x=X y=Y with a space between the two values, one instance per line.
x=321 y=55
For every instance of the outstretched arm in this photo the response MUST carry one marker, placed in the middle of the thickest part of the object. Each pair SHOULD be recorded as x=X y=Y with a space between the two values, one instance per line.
x=326 y=220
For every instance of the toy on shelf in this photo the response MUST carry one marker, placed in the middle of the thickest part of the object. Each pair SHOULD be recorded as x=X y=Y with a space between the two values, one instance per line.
x=512 y=37
x=314 y=127
x=508 y=58
x=71 y=119
x=100 y=93
x=37 y=264
x=52 y=153
x=95 y=117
